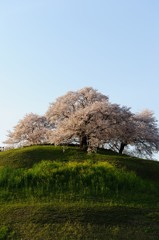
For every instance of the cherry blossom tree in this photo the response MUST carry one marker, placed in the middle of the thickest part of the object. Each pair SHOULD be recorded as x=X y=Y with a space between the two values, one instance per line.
x=93 y=126
x=146 y=141
x=62 y=110
x=139 y=131
x=32 y=129
x=89 y=119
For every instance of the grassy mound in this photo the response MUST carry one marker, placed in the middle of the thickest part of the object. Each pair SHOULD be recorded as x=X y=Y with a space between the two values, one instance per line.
x=49 y=192
x=49 y=172
x=29 y=156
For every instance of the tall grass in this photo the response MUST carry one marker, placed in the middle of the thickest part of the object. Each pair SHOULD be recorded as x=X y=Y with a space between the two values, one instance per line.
x=74 y=179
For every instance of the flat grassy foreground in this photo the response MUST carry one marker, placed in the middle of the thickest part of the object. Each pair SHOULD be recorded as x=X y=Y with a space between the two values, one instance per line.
x=49 y=192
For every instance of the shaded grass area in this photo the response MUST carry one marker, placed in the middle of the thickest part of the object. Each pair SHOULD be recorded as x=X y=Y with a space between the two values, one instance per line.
x=79 y=222
x=28 y=156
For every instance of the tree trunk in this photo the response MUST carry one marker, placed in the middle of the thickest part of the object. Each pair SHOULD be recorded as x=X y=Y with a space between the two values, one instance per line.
x=122 y=145
x=83 y=142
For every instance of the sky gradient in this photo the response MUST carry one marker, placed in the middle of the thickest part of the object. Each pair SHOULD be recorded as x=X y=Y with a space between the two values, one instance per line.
x=50 y=47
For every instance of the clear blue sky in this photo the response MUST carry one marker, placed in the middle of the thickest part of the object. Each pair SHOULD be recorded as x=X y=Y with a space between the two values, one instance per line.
x=49 y=47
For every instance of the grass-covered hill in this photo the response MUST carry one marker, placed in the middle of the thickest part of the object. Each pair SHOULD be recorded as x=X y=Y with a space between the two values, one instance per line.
x=28 y=157
x=49 y=192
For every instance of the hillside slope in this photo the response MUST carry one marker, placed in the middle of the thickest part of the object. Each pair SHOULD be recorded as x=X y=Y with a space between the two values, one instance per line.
x=29 y=156
x=63 y=193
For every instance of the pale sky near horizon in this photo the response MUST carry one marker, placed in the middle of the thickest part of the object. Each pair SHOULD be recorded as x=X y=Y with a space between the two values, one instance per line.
x=50 y=47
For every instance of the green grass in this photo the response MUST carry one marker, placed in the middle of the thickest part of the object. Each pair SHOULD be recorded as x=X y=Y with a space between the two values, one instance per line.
x=73 y=180
x=46 y=193
x=71 y=221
